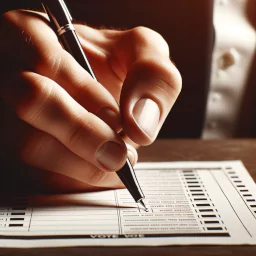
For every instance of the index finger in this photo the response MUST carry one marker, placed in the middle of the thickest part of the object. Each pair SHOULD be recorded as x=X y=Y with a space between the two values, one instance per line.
x=39 y=51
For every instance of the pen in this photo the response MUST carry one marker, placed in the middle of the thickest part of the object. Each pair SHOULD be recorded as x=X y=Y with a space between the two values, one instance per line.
x=61 y=21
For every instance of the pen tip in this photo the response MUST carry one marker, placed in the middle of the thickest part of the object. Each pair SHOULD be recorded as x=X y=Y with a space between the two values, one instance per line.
x=142 y=202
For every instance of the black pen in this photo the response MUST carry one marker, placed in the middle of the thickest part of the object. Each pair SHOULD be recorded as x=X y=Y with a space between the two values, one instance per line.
x=61 y=20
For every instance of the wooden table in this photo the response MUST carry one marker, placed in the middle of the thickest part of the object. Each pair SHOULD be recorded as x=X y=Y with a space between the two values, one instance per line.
x=172 y=150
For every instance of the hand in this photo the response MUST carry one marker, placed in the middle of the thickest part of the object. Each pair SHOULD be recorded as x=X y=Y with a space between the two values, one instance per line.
x=58 y=119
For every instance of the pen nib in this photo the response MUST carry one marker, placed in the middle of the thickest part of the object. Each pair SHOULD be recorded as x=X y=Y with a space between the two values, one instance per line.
x=142 y=202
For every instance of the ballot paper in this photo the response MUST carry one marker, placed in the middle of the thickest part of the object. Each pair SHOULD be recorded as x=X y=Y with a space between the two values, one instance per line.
x=189 y=203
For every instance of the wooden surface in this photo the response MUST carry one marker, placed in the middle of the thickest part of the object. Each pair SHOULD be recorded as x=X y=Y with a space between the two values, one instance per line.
x=172 y=150
x=202 y=150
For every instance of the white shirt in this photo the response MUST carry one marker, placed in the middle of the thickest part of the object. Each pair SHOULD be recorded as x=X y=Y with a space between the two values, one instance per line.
x=233 y=53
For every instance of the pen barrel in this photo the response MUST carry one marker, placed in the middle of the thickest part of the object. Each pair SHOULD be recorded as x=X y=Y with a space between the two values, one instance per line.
x=128 y=177
x=61 y=21
x=71 y=43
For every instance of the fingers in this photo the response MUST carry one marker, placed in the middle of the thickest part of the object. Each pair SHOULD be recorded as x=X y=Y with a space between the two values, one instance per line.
x=67 y=171
x=41 y=52
x=42 y=151
x=151 y=86
x=42 y=103
x=139 y=56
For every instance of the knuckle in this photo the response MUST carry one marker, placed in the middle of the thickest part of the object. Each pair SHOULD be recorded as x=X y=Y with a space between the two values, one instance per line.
x=49 y=61
x=167 y=72
x=10 y=16
x=33 y=95
x=141 y=30
x=147 y=36
x=74 y=135
x=140 y=34
x=8 y=20
x=14 y=21
x=81 y=129
x=79 y=91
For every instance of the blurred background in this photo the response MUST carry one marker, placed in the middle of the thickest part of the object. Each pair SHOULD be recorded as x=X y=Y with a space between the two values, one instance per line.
x=212 y=43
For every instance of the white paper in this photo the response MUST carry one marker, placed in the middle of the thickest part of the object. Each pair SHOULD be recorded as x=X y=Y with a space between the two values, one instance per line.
x=190 y=203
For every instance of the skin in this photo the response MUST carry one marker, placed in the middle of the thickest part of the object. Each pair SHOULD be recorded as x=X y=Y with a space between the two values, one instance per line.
x=55 y=117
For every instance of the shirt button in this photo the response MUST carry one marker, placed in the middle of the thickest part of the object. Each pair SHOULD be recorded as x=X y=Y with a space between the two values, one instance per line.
x=223 y=2
x=215 y=97
x=212 y=125
x=228 y=59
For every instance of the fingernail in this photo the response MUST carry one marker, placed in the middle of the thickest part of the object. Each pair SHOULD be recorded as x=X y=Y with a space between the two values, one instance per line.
x=131 y=157
x=111 y=155
x=110 y=117
x=146 y=113
x=132 y=154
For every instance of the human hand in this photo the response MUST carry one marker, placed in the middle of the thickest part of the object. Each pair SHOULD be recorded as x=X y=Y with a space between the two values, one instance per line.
x=66 y=122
